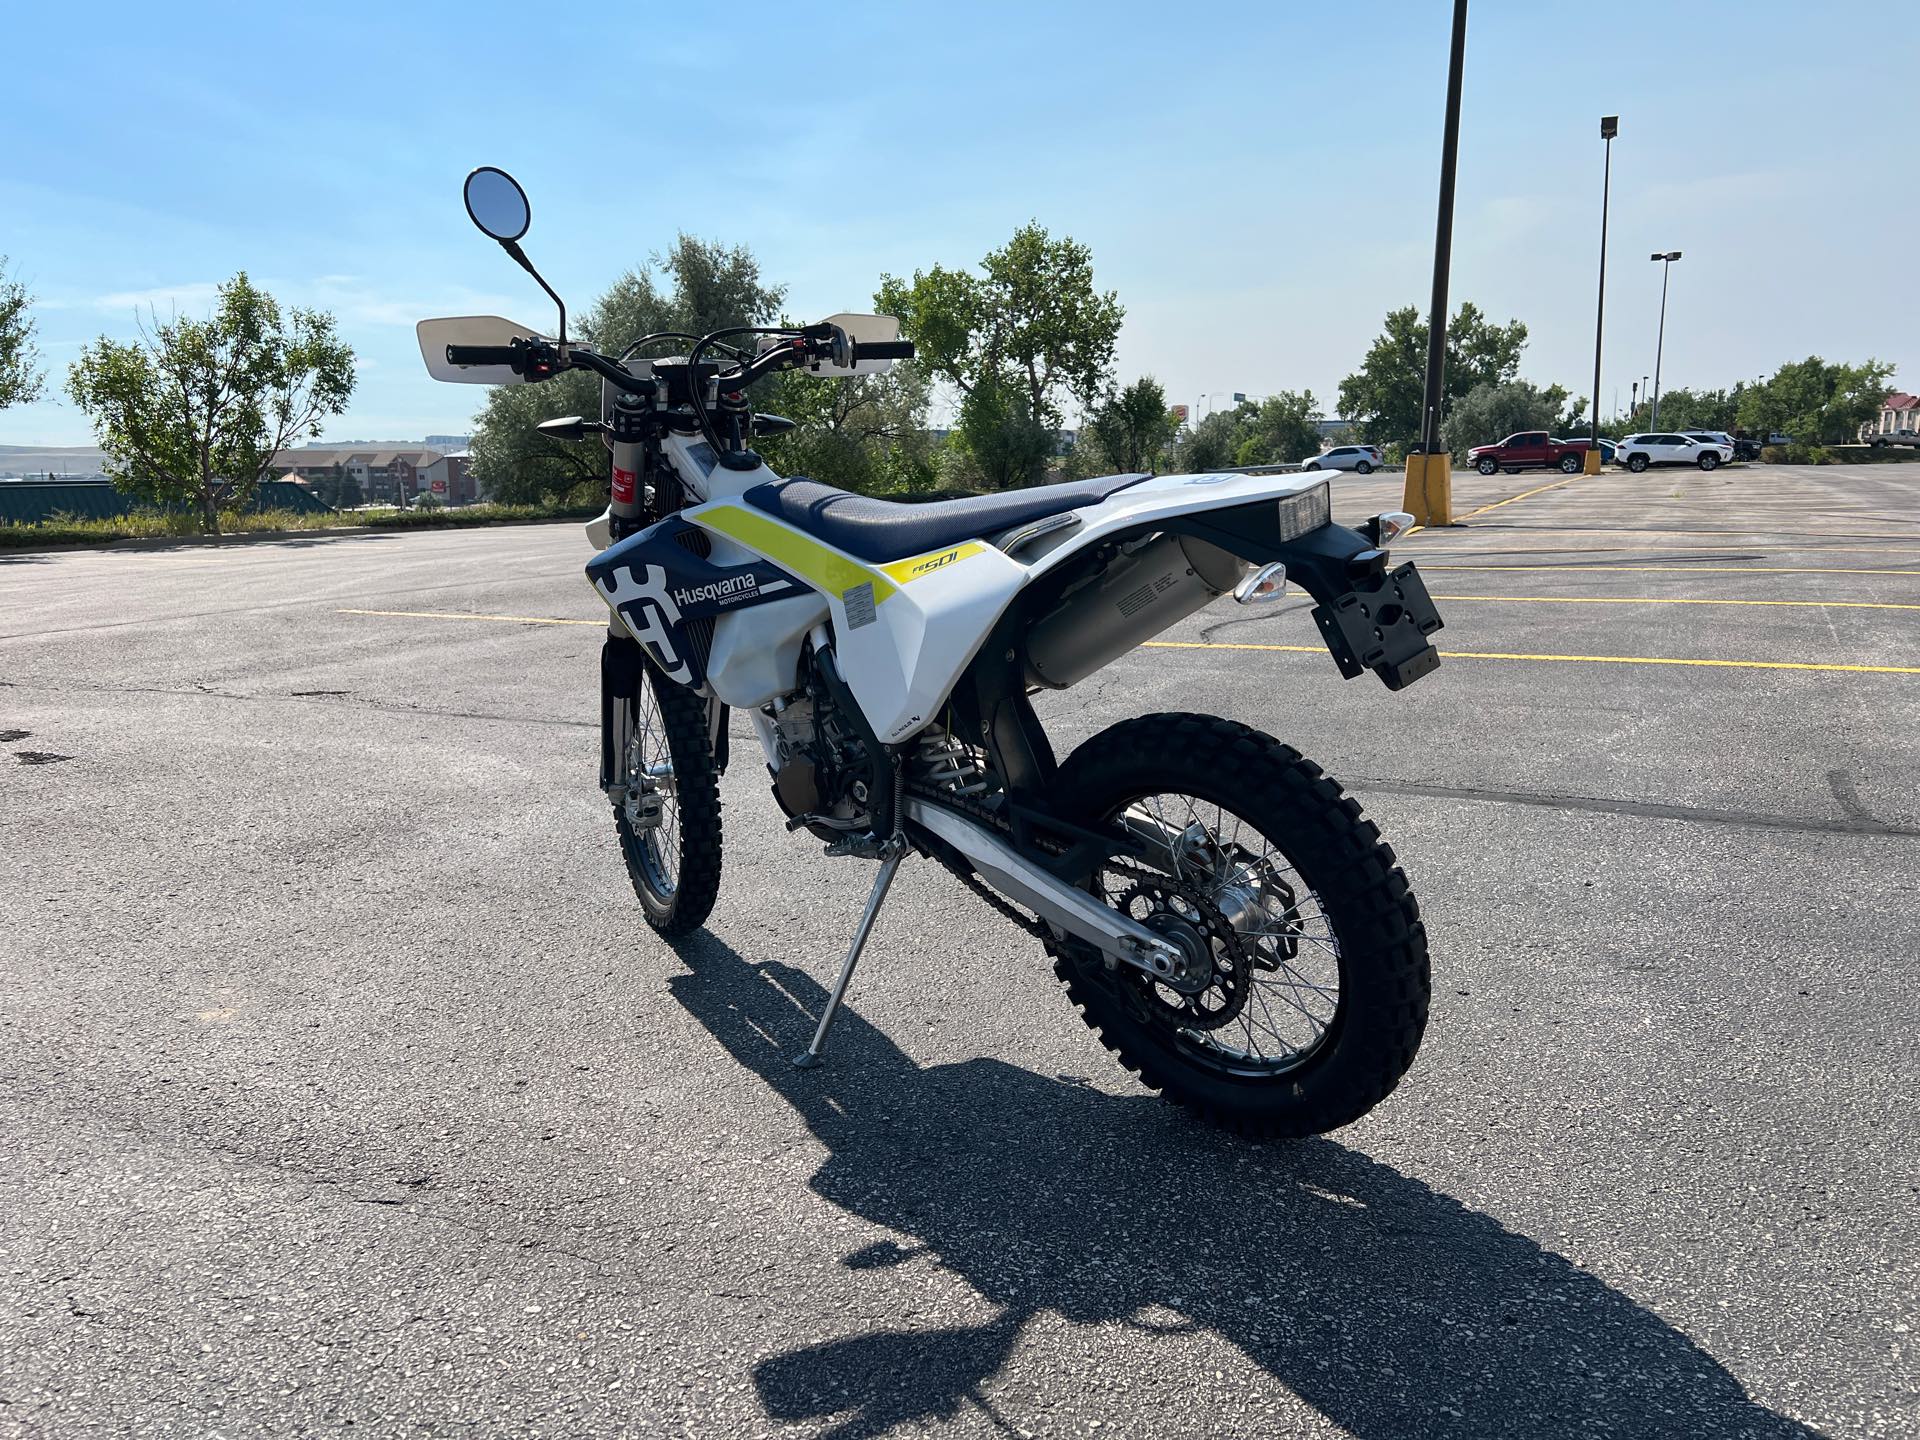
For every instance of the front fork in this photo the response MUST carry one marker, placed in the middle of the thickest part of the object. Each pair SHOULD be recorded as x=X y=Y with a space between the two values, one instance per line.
x=622 y=669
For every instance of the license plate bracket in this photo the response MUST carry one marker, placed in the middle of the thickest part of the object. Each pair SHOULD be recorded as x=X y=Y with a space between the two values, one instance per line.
x=1383 y=626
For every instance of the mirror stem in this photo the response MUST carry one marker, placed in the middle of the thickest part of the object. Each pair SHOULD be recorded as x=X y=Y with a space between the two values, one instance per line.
x=512 y=247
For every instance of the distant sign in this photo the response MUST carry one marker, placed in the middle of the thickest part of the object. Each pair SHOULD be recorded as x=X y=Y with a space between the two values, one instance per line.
x=439 y=487
x=1180 y=413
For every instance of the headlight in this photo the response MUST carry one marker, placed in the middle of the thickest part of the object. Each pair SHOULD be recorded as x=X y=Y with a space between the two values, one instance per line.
x=1308 y=510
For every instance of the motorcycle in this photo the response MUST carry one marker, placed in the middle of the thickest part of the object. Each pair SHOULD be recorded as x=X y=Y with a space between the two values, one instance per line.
x=1217 y=909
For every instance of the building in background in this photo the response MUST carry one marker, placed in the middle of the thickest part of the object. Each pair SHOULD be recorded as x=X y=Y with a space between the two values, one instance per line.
x=449 y=479
x=1899 y=411
x=386 y=475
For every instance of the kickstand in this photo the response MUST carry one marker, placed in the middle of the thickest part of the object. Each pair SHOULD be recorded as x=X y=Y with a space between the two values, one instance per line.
x=811 y=1056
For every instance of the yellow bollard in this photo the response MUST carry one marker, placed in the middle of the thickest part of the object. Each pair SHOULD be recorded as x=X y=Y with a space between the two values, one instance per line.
x=1428 y=494
x=1592 y=463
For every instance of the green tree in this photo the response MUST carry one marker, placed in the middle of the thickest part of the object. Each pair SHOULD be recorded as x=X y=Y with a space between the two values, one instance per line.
x=1212 y=444
x=1019 y=341
x=1130 y=430
x=1281 y=429
x=1683 y=409
x=707 y=287
x=1815 y=402
x=1492 y=412
x=1010 y=446
x=340 y=489
x=21 y=378
x=194 y=413
x=866 y=433
x=1385 y=395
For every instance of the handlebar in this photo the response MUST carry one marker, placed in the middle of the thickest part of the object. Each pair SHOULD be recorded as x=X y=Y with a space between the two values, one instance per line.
x=483 y=354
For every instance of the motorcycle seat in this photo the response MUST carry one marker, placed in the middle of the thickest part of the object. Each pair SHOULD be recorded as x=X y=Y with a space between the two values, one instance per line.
x=881 y=530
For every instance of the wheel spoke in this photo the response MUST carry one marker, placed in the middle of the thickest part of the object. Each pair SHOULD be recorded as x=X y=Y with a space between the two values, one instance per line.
x=1267 y=1016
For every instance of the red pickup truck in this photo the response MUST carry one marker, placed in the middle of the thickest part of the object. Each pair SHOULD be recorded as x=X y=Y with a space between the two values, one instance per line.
x=1529 y=450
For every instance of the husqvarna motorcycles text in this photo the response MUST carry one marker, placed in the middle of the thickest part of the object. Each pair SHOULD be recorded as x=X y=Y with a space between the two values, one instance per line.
x=1216 y=908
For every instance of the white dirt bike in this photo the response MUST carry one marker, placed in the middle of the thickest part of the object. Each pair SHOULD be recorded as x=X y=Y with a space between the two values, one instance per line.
x=1217 y=908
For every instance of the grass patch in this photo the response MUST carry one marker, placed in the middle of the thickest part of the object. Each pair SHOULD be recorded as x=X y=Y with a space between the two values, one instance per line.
x=158 y=524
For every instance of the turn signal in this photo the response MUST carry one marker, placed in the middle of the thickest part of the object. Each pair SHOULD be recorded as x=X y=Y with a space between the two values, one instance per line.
x=1393 y=524
x=1269 y=582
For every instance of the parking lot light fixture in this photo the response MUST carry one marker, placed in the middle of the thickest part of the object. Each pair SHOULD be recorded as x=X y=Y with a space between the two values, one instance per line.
x=1609 y=127
x=1666 y=259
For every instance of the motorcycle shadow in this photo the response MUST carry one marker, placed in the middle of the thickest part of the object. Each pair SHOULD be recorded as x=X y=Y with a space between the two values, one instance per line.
x=1392 y=1309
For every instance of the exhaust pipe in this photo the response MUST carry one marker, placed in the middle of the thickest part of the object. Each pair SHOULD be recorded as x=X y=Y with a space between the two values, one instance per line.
x=1133 y=599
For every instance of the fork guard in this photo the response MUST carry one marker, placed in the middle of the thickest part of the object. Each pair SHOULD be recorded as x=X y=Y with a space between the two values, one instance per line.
x=1371 y=618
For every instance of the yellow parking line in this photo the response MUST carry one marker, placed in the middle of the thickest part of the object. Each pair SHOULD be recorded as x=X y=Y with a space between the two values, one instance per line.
x=1664 y=600
x=464 y=615
x=1568 y=659
x=1524 y=494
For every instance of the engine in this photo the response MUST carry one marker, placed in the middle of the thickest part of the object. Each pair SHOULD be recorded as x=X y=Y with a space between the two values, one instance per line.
x=820 y=767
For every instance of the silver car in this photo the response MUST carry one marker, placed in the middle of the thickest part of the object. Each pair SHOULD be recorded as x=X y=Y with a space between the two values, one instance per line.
x=1361 y=459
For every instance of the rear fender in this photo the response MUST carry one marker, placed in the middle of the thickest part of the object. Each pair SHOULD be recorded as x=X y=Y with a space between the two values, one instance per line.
x=1371 y=618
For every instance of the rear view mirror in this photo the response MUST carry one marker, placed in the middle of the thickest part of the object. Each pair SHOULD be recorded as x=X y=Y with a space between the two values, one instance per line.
x=497 y=204
x=436 y=335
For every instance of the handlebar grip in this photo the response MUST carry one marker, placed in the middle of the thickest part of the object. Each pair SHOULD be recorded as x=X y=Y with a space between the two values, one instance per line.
x=484 y=354
x=882 y=350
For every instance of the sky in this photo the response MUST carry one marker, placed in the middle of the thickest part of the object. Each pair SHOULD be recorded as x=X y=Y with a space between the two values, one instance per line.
x=1257 y=182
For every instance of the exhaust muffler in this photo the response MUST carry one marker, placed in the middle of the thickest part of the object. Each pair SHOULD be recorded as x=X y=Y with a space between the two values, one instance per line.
x=1133 y=599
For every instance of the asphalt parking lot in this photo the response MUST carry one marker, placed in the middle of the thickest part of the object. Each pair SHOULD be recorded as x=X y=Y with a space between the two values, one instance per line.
x=341 y=1084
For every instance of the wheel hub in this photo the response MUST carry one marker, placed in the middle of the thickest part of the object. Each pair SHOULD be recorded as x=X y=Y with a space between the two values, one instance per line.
x=1211 y=985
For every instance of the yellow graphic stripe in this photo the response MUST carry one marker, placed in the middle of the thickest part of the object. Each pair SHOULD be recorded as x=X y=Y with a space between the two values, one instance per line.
x=788 y=548
x=919 y=565
x=1570 y=659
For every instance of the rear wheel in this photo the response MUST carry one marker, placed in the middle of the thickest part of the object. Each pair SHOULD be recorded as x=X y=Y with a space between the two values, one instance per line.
x=669 y=823
x=1569 y=464
x=1305 y=990
x=1710 y=461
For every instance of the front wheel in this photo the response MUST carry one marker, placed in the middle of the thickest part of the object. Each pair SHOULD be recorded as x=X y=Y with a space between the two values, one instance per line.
x=1304 y=990
x=1709 y=461
x=1487 y=467
x=1570 y=465
x=669 y=823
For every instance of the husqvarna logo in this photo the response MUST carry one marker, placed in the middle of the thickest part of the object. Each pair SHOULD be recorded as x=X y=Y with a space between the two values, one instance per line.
x=649 y=612
x=727 y=588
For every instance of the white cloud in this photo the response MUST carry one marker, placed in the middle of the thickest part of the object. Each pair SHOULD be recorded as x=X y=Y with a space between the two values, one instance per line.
x=195 y=295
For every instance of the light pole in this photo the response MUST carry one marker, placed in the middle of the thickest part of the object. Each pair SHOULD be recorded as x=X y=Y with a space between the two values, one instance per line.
x=1666 y=259
x=1429 y=484
x=1609 y=127
x=1633 y=401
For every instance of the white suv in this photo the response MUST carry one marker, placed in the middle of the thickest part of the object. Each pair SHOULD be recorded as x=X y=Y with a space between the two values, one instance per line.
x=1637 y=452
x=1361 y=459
